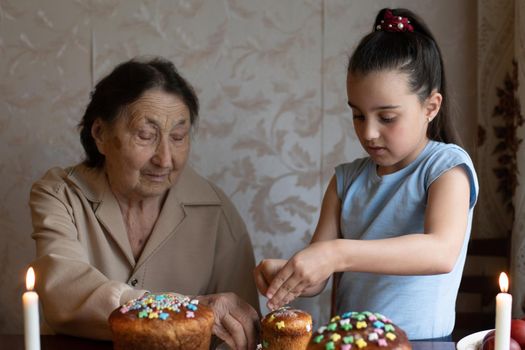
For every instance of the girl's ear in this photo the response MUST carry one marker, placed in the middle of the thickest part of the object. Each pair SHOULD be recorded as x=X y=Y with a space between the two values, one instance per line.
x=432 y=105
x=98 y=132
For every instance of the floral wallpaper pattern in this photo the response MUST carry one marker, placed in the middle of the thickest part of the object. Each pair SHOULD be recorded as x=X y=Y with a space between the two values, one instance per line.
x=518 y=233
x=495 y=55
x=271 y=80
x=507 y=112
x=500 y=155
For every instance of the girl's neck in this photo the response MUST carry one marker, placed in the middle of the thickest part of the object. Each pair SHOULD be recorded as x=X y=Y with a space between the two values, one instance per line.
x=381 y=171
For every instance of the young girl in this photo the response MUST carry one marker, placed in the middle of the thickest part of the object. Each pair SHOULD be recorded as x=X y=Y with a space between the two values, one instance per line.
x=395 y=224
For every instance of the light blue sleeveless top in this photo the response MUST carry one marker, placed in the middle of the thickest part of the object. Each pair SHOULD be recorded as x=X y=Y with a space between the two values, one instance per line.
x=375 y=207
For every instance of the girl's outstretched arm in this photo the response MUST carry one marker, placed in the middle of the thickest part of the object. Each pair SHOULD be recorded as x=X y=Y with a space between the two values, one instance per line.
x=271 y=274
x=433 y=251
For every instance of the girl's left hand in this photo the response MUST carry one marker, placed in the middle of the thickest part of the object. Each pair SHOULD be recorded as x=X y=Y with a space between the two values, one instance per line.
x=305 y=271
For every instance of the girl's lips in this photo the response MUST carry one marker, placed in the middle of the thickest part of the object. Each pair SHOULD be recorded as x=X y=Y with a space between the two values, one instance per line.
x=376 y=150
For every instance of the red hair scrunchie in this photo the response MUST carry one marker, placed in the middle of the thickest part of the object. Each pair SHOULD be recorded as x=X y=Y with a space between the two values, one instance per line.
x=391 y=23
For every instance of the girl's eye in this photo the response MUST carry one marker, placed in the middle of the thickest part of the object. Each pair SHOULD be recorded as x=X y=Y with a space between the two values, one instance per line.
x=387 y=119
x=358 y=116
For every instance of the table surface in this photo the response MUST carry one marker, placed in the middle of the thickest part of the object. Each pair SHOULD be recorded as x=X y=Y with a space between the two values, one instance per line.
x=62 y=342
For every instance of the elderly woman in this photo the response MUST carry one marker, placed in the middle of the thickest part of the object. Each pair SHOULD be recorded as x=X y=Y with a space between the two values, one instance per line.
x=134 y=217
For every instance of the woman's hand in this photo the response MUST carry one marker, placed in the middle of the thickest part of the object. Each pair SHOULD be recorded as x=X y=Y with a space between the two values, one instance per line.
x=236 y=321
x=305 y=273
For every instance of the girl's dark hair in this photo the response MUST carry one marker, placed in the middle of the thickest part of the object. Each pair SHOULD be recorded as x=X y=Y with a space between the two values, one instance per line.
x=415 y=54
x=124 y=85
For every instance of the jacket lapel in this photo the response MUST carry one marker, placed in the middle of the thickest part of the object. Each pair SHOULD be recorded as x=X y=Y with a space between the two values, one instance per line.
x=110 y=216
x=171 y=216
x=190 y=189
x=93 y=183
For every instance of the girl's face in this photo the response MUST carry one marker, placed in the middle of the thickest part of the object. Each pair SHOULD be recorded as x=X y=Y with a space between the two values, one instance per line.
x=389 y=120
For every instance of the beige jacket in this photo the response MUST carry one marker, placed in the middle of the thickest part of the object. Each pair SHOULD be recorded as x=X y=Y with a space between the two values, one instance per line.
x=85 y=267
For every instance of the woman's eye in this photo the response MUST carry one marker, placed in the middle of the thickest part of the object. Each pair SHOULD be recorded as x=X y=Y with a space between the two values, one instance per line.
x=178 y=137
x=358 y=116
x=146 y=135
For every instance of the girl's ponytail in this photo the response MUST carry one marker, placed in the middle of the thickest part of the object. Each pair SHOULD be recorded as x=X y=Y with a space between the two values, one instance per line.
x=400 y=40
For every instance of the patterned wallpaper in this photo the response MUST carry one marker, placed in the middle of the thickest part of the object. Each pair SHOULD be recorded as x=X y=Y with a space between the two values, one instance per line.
x=271 y=79
x=501 y=155
x=495 y=66
x=518 y=235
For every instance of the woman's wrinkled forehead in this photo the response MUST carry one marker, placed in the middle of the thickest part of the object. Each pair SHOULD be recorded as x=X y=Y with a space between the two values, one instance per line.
x=157 y=104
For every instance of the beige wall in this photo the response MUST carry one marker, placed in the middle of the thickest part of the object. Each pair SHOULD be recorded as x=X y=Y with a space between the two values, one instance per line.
x=270 y=75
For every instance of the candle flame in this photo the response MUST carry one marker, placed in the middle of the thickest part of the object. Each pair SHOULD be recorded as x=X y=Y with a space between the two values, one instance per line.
x=503 y=282
x=30 y=279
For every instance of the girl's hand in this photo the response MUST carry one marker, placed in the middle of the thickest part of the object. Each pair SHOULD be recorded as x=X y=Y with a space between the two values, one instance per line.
x=306 y=271
x=265 y=272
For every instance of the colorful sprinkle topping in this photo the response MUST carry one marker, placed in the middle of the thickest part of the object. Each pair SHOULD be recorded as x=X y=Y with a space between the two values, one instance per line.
x=281 y=320
x=355 y=330
x=335 y=337
x=335 y=319
x=390 y=336
x=346 y=326
x=286 y=312
x=360 y=324
x=373 y=336
x=155 y=306
x=360 y=343
x=318 y=338
x=379 y=324
x=348 y=340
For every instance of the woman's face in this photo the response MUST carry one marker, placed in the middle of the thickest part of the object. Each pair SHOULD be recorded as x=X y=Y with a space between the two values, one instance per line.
x=147 y=146
x=390 y=120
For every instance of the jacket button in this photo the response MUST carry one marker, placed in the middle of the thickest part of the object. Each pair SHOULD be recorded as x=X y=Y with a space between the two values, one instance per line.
x=134 y=282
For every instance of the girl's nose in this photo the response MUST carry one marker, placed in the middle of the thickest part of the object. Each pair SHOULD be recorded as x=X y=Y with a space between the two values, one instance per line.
x=370 y=130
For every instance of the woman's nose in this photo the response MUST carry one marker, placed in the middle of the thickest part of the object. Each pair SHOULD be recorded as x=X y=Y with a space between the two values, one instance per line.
x=162 y=157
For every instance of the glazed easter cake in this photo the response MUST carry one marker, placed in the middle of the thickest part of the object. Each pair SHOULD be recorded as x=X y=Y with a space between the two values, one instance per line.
x=161 y=321
x=359 y=331
x=286 y=329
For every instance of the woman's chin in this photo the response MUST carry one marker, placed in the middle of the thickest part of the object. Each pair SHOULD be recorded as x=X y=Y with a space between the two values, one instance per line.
x=154 y=188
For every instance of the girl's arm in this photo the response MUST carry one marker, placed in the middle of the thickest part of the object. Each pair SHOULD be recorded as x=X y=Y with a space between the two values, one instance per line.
x=327 y=230
x=434 y=252
x=328 y=226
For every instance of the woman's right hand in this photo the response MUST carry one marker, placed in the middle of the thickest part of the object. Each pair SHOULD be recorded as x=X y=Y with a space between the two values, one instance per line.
x=236 y=321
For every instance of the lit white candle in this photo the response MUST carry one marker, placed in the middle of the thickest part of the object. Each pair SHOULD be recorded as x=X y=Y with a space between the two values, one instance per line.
x=31 y=318
x=503 y=314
